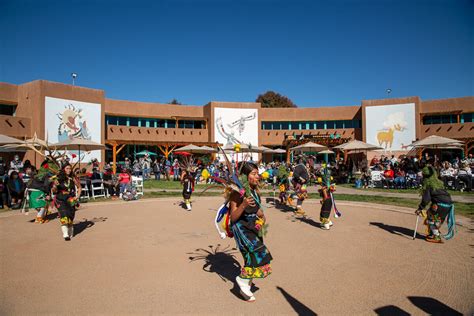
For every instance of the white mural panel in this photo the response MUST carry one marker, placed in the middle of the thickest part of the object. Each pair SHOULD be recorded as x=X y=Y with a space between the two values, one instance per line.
x=391 y=126
x=68 y=119
x=233 y=126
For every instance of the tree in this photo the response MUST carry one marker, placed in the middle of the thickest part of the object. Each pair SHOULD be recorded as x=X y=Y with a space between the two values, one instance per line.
x=271 y=99
x=174 y=101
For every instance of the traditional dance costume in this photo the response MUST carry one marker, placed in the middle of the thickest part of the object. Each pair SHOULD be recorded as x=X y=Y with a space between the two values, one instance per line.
x=249 y=239
x=327 y=200
x=66 y=203
x=40 y=190
x=188 y=187
x=441 y=207
x=300 y=178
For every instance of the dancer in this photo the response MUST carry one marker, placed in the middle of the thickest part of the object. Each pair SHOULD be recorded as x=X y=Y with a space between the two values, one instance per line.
x=187 y=180
x=441 y=207
x=248 y=224
x=300 y=178
x=40 y=190
x=283 y=183
x=66 y=199
x=326 y=198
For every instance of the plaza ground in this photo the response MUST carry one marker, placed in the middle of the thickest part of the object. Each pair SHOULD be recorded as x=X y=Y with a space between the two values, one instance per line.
x=153 y=257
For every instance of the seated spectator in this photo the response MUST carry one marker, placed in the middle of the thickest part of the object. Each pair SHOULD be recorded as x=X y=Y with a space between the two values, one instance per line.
x=464 y=175
x=16 y=188
x=95 y=174
x=399 y=180
x=111 y=182
x=124 y=179
x=15 y=165
x=447 y=174
x=388 y=176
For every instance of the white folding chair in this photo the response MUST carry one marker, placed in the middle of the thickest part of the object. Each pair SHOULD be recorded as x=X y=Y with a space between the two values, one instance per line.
x=97 y=188
x=85 y=194
x=137 y=182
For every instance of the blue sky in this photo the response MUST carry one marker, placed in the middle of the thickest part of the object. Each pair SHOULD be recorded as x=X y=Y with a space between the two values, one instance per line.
x=315 y=52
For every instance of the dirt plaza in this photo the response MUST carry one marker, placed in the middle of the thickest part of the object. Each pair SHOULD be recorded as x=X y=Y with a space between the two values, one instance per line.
x=152 y=257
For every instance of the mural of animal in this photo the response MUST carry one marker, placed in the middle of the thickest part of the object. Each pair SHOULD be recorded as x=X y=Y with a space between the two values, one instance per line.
x=404 y=147
x=386 y=137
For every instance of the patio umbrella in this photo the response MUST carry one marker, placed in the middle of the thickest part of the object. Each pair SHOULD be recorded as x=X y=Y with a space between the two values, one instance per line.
x=78 y=144
x=7 y=140
x=357 y=145
x=275 y=151
x=262 y=149
x=182 y=153
x=146 y=152
x=309 y=147
x=435 y=141
x=189 y=148
x=207 y=150
x=327 y=151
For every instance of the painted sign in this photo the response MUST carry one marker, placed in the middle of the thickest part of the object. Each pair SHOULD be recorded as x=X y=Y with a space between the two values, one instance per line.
x=69 y=119
x=392 y=127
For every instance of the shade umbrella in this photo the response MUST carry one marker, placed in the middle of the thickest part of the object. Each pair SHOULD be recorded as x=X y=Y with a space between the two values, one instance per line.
x=261 y=149
x=189 y=148
x=358 y=146
x=78 y=144
x=207 y=150
x=309 y=147
x=146 y=152
x=327 y=151
x=275 y=151
x=435 y=141
x=7 y=140
x=243 y=148
x=182 y=153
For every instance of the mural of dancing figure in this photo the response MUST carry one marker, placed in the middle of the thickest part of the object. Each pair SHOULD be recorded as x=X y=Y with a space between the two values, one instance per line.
x=241 y=122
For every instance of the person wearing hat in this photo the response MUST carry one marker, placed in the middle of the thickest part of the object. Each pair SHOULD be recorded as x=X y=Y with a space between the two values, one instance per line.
x=187 y=180
x=441 y=206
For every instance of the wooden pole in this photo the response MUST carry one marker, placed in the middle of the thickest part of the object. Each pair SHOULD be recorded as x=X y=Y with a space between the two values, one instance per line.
x=114 y=158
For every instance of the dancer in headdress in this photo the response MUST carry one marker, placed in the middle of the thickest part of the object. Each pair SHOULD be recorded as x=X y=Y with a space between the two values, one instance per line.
x=187 y=180
x=248 y=228
x=441 y=206
x=66 y=199
x=299 y=180
x=40 y=189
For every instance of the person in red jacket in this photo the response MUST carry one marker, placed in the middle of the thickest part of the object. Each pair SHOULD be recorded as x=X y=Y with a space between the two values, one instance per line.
x=388 y=175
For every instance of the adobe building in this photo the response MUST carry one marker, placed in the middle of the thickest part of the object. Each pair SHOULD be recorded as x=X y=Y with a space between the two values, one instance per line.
x=57 y=111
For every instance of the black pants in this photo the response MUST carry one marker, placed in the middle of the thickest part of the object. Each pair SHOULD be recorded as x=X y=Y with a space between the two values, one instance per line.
x=326 y=208
x=446 y=179
x=466 y=179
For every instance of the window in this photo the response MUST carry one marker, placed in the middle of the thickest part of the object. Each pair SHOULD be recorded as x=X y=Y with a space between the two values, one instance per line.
x=339 y=124
x=467 y=118
x=6 y=109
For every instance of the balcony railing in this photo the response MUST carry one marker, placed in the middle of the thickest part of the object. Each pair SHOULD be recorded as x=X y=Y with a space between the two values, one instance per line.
x=149 y=134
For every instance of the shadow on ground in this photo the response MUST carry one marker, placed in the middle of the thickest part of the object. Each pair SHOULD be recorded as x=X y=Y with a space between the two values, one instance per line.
x=397 y=230
x=86 y=224
x=222 y=262
x=428 y=305
x=299 y=307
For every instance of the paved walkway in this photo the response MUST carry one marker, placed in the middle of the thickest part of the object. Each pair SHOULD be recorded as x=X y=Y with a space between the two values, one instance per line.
x=152 y=257
x=465 y=198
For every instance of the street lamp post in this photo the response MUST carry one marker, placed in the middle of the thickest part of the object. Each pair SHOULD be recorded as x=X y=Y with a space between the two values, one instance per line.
x=74 y=76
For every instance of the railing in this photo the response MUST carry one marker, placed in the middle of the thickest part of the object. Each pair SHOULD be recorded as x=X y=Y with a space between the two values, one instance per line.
x=149 y=134
x=276 y=137
x=15 y=126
